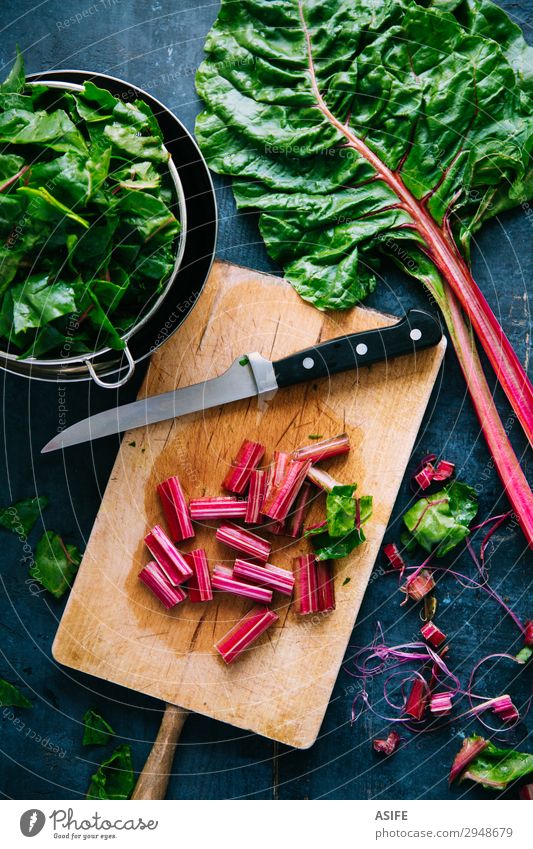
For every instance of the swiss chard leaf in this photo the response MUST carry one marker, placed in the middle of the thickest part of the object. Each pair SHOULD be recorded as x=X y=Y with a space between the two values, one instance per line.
x=495 y=768
x=282 y=90
x=340 y=510
x=55 y=563
x=328 y=547
x=38 y=302
x=441 y=521
x=16 y=79
x=114 y=778
x=10 y=696
x=96 y=731
x=20 y=517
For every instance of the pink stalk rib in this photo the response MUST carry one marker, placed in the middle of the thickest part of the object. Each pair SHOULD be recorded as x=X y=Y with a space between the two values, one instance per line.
x=245 y=632
x=256 y=495
x=387 y=746
x=275 y=473
x=242 y=540
x=393 y=556
x=175 y=509
x=505 y=709
x=248 y=457
x=171 y=561
x=469 y=750
x=295 y=521
x=526 y=792
x=432 y=634
x=417 y=586
x=199 y=584
x=416 y=704
x=284 y=494
x=321 y=479
x=425 y=476
x=529 y=633
x=155 y=579
x=224 y=583
x=444 y=470
x=443 y=252
x=218 y=507
x=306 y=584
x=325 y=587
x=441 y=704
x=323 y=450
x=280 y=580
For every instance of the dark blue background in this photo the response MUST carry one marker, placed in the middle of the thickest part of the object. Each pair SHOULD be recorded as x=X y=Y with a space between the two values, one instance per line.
x=157 y=45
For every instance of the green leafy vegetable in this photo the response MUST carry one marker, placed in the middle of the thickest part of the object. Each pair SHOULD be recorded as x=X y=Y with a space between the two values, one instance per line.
x=441 y=521
x=55 y=563
x=11 y=696
x=20 y=517
x=368 y=128
x=340 y=510
x=114 y=778
x=333 y=547
x=96 y=731
x=495 y=768
x=87 y=217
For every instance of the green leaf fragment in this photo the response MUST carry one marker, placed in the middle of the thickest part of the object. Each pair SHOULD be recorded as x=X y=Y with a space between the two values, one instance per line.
x=96 y=731
x=55 y=563
x=114 y=778
x=20 y=517
x=441 y=521
x=10 y=696
x=495 y=768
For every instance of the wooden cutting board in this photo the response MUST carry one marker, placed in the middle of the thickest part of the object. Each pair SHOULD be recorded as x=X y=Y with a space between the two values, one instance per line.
x=115 y=629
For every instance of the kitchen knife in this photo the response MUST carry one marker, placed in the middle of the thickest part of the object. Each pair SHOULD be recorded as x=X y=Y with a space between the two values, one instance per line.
x=252 y=375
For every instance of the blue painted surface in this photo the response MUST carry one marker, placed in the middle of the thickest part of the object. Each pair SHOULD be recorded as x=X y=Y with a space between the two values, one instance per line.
x=157 y=45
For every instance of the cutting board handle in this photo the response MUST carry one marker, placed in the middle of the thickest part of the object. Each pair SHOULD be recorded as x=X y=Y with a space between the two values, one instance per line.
x=153 y=780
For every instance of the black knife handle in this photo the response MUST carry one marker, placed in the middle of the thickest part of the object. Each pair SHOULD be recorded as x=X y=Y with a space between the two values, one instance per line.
x=416 y=331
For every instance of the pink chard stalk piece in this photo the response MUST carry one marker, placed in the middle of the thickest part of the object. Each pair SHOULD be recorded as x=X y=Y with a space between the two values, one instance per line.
x=315 y=592
x=322 y=479
x=324 y=586
x=280 y=580
x=171 y=561
x=387 y=746
x=526 y=792
x=528 y=634
x=175 y=509
x=245 y=633
x=393 y=556
x=243 y=540
x=155 y=579
x=223 y=580
x=217 y=507
x=441 y=704
x=429 y=473
x=256 y=496
x=324 y=449
x=294 y=524
x=199 y=584
x=416 y=704
x=278 y=503
x=504 y=708
x=432 y=634
x=470 y=749
x=249 y=456
x=418 y=585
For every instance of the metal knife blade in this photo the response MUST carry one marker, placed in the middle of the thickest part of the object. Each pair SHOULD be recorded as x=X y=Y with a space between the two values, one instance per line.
x=249 y=376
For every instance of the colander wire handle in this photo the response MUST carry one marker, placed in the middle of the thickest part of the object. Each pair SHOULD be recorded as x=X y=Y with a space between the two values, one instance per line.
x=117 y=383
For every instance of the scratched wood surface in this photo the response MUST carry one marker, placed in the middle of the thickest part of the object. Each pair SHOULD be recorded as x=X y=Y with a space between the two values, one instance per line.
x=115 y=629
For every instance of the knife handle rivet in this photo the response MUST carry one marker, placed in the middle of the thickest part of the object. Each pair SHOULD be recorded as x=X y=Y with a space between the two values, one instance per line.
x=415 y=334
x=361 y=349
x=308 y=362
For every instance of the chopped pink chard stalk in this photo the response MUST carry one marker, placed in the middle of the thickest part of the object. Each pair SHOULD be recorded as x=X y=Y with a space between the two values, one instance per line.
x=393 y=556
x=416 y=704
x=432 y=634
x=526 y=792
x=325 y=586
x=528 y=634
x=175 y=509
x=245 y=633
x=280 y=580
x=425 y=476
x=283 y=495
x=295 y=521
x=256 y=496
x=441 y=704
x=324 y=450
x=279 y=529
x=505 y=709
x=444 y=470
x=306 y=584
x=155 y=579
x=418 y=585
x=242 y=540
x=228 y=584
x=171 y=561
x=470 y=749
x=428 y=473
x=199 y=584
x=218 y=507
x=321 y=479
x=248 y=458
x=387 y=746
